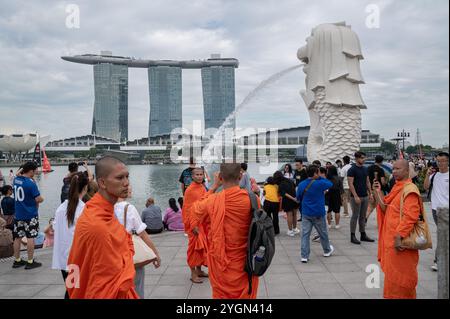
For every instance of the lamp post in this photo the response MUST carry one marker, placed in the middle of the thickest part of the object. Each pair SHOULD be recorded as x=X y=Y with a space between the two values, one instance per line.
x=403 y=135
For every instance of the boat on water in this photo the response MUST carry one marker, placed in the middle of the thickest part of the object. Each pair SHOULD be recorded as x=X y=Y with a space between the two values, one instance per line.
x=46 y=167
x=40 y=157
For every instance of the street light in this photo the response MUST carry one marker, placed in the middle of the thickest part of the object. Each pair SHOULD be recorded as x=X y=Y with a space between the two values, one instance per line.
x=403 y=135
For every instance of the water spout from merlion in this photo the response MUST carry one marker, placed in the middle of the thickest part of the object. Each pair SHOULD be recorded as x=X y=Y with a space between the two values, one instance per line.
x=208 y=151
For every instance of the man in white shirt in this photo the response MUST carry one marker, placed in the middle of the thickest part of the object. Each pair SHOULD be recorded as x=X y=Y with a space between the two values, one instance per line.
x=343 y=174
x=436 y=182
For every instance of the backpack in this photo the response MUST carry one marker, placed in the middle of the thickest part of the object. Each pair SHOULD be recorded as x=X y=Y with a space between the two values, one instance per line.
x=261 y=233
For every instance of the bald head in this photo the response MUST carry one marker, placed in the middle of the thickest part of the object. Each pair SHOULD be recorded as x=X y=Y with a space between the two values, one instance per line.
x=401 y=170
x=105 y=166
x=198 y=175
x=230 y=172
x=403 y=163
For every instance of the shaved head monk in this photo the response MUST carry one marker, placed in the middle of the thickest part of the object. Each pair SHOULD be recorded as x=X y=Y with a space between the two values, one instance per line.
x=102 y=249
x=196 y=229
x=399 y=265
x=230 y=214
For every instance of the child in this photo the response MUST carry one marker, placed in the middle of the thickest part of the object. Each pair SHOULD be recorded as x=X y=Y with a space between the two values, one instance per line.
x=49 y=234
x=7 y=205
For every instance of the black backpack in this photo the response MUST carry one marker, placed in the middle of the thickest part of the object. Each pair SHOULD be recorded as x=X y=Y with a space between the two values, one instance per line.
x=261 y=233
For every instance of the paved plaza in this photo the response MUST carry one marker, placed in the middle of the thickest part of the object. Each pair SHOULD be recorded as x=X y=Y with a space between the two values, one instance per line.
x=340 y=276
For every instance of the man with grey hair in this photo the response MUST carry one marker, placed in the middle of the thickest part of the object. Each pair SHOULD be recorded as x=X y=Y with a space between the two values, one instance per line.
x=152 y=217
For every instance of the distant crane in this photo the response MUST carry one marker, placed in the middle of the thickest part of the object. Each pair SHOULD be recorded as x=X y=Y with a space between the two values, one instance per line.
x=419 y=143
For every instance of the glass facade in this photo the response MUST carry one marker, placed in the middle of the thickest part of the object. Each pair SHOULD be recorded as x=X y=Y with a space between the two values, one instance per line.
x=111 y=101
x=165 y=100
x=218 y=95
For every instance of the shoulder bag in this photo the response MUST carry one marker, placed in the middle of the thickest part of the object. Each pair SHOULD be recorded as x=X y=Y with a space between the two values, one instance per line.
x=143 y=254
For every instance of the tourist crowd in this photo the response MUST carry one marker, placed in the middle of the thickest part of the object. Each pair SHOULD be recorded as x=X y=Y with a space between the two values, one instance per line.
x=96 y=228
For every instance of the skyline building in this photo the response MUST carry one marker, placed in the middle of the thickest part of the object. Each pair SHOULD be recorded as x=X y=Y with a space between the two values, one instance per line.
x=110 y=118
x=165 y=99
x=218 y=95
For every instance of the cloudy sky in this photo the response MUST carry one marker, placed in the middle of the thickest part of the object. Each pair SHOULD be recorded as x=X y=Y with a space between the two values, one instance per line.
x=406 y=65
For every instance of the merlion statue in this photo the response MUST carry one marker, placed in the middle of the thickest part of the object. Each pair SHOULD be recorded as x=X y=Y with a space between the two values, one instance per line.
x=332 y=96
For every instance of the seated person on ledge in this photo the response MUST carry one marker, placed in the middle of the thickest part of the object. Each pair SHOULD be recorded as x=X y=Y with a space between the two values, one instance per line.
x=152 y=217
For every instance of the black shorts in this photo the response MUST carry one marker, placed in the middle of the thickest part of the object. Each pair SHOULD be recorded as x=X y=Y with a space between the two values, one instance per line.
x=26 y=228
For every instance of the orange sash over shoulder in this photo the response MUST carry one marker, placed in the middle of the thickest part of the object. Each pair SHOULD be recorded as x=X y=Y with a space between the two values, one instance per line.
x=400 y=268
x=103 y=251
x=230 y=216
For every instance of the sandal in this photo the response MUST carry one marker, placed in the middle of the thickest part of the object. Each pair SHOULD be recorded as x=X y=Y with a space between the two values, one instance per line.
x=196 y=281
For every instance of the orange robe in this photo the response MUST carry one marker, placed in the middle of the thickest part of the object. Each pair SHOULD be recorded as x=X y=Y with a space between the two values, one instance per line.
x=400 y=268
x=197 y=246
x=230 y=215
x=103 y=251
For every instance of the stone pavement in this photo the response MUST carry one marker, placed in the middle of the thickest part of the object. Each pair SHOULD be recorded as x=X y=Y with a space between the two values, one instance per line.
x=339 y=276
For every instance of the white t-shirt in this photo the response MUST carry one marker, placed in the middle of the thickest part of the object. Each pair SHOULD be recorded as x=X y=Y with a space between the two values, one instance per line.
x=439 y=193
x=64 y=234
x=343 y=174
x=289 y=175
x=134 y=221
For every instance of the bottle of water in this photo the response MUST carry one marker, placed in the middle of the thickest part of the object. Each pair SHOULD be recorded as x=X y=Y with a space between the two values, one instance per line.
x=259 y=256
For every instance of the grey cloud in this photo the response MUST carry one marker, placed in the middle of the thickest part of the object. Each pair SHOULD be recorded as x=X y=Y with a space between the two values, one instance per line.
x=405 y=66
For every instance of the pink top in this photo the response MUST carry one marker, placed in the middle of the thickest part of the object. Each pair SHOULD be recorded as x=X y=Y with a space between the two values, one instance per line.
x=173 y=220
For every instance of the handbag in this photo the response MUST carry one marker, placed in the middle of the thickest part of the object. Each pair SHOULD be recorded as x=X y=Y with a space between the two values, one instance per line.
x=143 y=254
x=420 y=236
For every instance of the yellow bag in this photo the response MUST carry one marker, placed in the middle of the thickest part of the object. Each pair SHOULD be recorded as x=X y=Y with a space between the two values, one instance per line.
x=420 y=236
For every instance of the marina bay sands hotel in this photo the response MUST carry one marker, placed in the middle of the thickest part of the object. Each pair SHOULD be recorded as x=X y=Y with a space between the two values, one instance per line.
x=164 y=80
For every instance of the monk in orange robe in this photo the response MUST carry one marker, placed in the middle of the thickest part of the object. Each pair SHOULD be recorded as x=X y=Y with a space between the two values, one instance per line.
x=230 y=215
x=194 y=228
x=102 y=249
x=398 y=264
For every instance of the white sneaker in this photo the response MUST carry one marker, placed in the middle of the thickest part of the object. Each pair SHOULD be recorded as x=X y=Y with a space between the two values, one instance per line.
x=329 y=226
x=434 y=267
x=316 y=238
x=290 y=233
x=337 y=226
x=296 y=230
x=329 y=253
x=304 y=260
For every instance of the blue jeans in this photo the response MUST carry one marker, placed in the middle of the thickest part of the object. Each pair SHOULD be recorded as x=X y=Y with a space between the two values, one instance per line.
x=320 y=225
